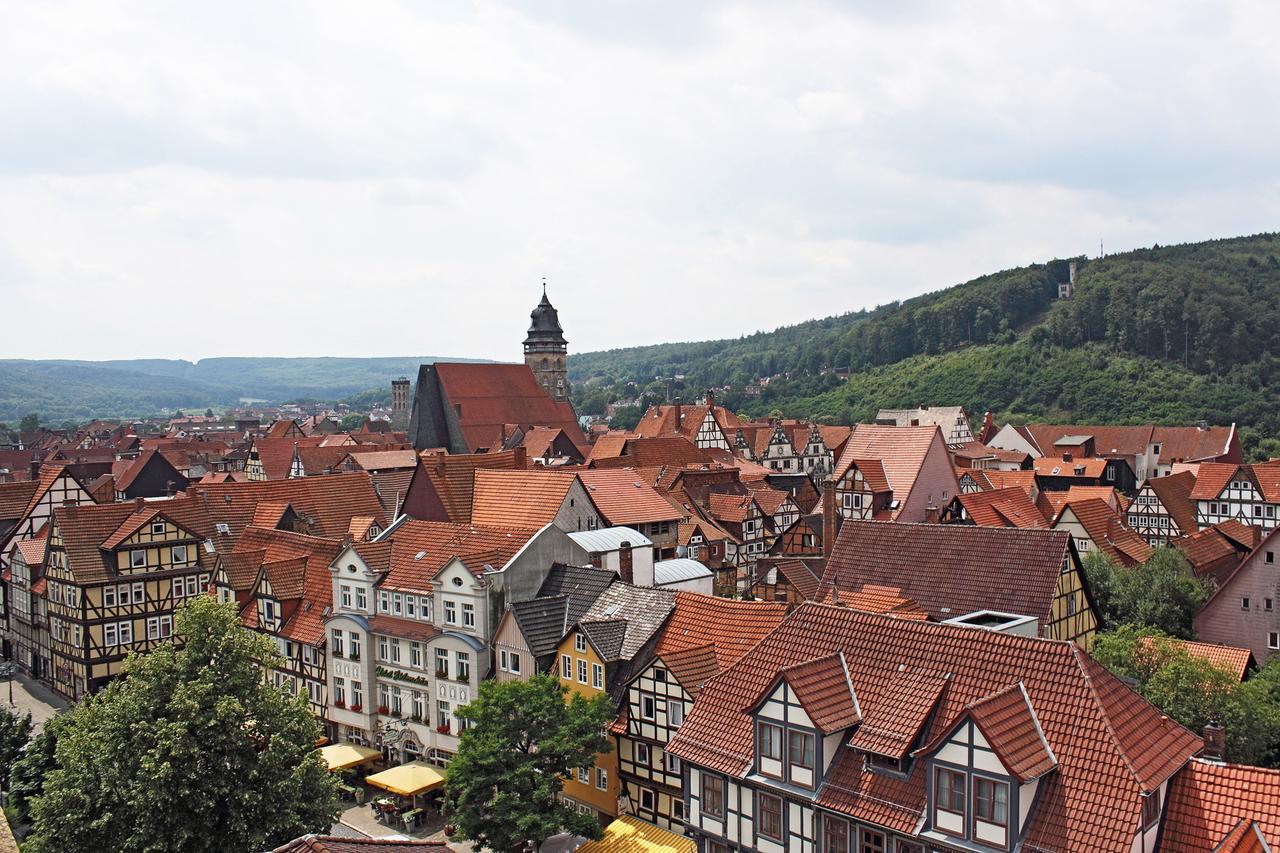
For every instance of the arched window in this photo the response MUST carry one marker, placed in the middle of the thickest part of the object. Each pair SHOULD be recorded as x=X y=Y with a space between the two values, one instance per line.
x=545 y=364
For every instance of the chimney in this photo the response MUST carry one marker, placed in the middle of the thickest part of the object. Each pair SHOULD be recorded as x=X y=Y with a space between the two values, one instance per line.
x=711 y=398
x=931 y=513
x=1215 y=742
x=1066 y=456
x=677 y=404
x=519 y=458
x=168 y=488
x=624 y=562
x=139 y=504
x=35 y=466
x=828 y=516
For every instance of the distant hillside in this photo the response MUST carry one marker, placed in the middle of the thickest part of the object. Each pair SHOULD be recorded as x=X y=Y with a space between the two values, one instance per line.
x=1173 y=334
x=81 y=390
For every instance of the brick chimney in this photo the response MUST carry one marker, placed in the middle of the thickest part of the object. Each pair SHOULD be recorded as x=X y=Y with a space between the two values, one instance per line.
x=1215 y=742
x=1066 y=456
x=828 y=516
x=931 y=513
x=624 y=563
x=519 y=458
x=677 y=405
x=711 y=398
x=35 y=466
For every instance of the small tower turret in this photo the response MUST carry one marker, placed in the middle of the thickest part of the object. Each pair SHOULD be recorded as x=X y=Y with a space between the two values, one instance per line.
x=546 y=351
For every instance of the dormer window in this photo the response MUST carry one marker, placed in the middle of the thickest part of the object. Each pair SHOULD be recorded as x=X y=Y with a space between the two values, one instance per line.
x=948 y=793
x=991 y=802
x=157 y=528
x=137 y=559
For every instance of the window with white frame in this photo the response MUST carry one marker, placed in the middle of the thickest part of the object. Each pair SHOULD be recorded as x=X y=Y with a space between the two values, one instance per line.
x=468 y=615
x=450 y=613
x=442 y=663
x=138 y=559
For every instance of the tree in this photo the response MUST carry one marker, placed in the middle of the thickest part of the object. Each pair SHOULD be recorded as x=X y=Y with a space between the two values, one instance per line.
x=29 y=422
x=504 y=783
x=1194 y=691
x=1162 y=593
x=15 y=731
x=208 y=413
x=191 y=751
x=27 y=774
x=351 y=422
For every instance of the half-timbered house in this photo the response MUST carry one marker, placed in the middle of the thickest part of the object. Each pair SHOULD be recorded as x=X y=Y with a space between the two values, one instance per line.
x=1249 y=494
x=1163 y=509
x=704 y=636
x=902 y=473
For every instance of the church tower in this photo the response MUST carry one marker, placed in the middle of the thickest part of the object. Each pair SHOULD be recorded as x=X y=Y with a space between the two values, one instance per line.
x=546 y=350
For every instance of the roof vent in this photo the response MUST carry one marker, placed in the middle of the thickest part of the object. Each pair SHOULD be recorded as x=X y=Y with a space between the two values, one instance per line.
x=612 y=610
x=419 y=555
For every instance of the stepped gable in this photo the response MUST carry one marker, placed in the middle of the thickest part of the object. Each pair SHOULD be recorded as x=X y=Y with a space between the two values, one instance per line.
x=951 y=569
x=1111 y=746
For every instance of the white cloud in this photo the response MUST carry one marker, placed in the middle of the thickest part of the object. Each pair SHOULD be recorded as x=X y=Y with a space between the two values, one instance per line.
x=299 y=178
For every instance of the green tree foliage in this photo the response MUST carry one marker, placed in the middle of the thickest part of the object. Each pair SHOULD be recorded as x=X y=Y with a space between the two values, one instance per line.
x=15 y=732
x=29 y=422
x=1194 y=692
x=190 y=751
x=352 y=422
x=28 y=772
x=504 y=783
x=1163 y=593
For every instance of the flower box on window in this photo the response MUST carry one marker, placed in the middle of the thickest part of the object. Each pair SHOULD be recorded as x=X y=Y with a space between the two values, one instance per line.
x=355 y=708
x=338 y=703
x=443 y=728
x=442 y=673
x=382 y=709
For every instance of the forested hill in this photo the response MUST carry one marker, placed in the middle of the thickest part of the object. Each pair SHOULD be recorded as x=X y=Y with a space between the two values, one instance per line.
x=1171 y=333
x=62 y=391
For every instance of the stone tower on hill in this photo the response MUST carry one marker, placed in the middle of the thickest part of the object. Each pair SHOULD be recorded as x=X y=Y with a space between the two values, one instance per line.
x=546 y=350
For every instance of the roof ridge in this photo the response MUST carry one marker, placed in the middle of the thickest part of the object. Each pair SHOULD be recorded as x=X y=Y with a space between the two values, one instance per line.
x=1080 y=661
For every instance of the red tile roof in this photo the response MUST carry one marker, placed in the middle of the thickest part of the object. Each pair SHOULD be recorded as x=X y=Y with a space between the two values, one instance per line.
x=897 y=712
x=519 y=498
x=1108 y=532
x=822 y=688
x=487 y=397
x=1231 y=658
x=15 y=498
x=900 y=450
x=1008 y=722
x=410 y=629
x=1054 y=466
x=1174 y=492
x=1007 y=507
x=882 y=599
x=420 y=549
x=1207 y=801
x=624 y=498
x=1111 y=745
x=684 y=420
x=951 y=569
x=731 y=627
x=1025 y=480
x=447 y=485
x=1211 y=478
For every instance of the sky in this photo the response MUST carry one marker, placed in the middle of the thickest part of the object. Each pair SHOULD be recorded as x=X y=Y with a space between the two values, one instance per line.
x=185 y=180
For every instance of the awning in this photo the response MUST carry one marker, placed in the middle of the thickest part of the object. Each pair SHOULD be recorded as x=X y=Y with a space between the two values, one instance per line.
x=632 y=835
x=408 y=780
x=340 y=756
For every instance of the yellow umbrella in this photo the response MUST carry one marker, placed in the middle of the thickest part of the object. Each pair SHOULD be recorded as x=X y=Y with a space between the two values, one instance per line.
x=408 y=780
x=340 y=756
x=632 y=835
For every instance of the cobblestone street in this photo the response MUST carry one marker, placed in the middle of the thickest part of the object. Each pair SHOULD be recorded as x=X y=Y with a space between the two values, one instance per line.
x=28 y=696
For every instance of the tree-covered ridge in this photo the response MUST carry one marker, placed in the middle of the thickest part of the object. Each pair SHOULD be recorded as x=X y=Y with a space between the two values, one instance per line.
x=1170 y=334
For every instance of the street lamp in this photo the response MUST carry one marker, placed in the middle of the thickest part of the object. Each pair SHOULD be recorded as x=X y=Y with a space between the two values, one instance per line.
x=7 y=670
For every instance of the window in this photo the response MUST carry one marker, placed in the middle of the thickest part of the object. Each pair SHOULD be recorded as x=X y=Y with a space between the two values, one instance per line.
x=582 y=670
x=949 y=790
x=382 y=648
x=677 y=809
x=269 y=615
x=579 y=642
x=468 y=615
x=157 y=528
x=566 y=667
x=357 y=695
x=411 y=606
x=646 y=800
x=442 y=663
x=1244 y=603
x=464 y=666
x=502 y=660
x=450 y=613
x=991 y=801
x=397 y=603
x=415 y=654
x=800 y=751
x=770 y=816
x=442 y=713
x=835 y=835
x=584 y=775
x=1150 y=810
x=179 y=553
x=870 y=841
x=1267 y=604
x=335 y=645
x=395 y=651
x=362 y=602
x=675 y=712
x=646 y=707
x=110 y=635
x=109 y=596
x=597 y=676
x=339 y=691
x=1273 y=640
x=384 y=601
x=602 y=779
x=514 y=660
x=355 y=645
x=1271 y=556
x=712 y=795
x=771 y=741
x=673 y=763
x=137 y=559
x=642 y=754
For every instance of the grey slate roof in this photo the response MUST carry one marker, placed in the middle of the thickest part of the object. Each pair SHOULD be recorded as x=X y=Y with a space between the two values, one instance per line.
x=542 y=622
x=582 y=584
x=644 y=610
x=607 y=637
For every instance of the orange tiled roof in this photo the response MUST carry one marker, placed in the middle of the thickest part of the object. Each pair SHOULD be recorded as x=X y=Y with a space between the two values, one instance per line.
x=1008 y=722
x=487 y=397
x=822 y=687
x=420 y=549
x=1231 y=658
x=731 y=627
x=1108 y=533
x=882 y=599
x=1112 y=746
x=519 y=498
x=1007 y=507
x=624 y=498
x=1207 y=801
x=900 y=450
x=1174 y=492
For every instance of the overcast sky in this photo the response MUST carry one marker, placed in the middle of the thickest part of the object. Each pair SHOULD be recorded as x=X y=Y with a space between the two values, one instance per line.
x=185 y=180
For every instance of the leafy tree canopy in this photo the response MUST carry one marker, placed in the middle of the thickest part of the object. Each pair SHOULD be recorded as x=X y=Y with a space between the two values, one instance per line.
x=15 y=731
x=1162 y=593
x=526 y=736
x=191 y=751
